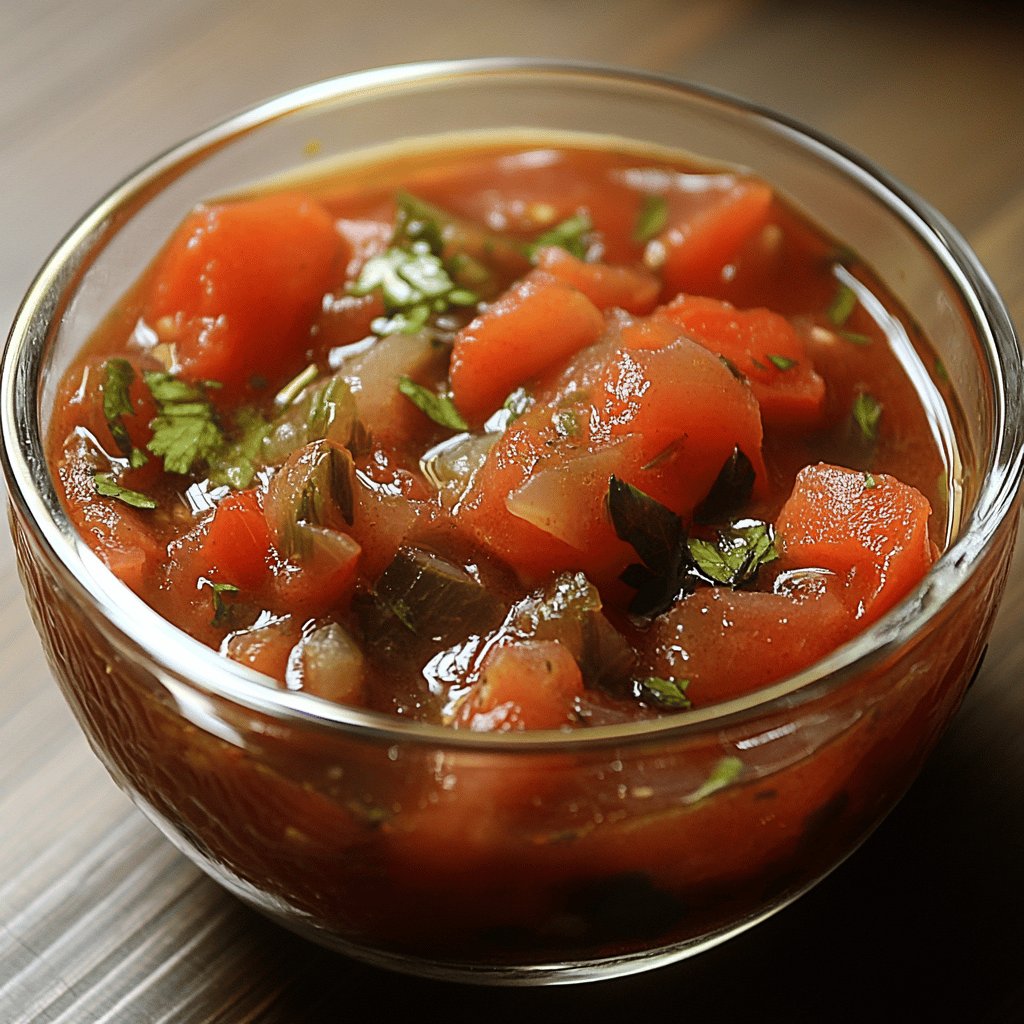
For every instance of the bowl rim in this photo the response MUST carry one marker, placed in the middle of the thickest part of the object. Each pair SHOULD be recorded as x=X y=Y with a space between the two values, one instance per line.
x=184 y=664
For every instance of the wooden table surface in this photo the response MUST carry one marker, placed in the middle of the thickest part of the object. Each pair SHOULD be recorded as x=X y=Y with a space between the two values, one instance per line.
x=102 y=920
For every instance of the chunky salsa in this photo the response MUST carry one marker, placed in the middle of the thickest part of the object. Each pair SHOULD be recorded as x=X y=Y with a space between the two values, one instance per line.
x=508 y=436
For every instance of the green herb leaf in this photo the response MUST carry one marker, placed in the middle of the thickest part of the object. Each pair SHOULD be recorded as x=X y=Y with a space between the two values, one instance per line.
x=842 y=306
x=651 y=219
x=730 y=491
x=870 y=483
x=235 y=463
x=108 y=487
x=440 y=408
x=656 y=534
x=740 y=551
x=117 y=381
x=782 y=362
x=570 y=234
x=855 y=338
x=724 y=773
x=185 y=430
x=866 y=412
x=668 y=693
x=221 y=608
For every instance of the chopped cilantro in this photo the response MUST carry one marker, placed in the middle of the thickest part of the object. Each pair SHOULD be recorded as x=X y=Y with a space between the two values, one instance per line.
x=739 y=552
x=108 y=487
x=866 y=412
x=185 y=430
x=842 y=306
x=782 y=362
x=221 y=608
x=725 y=773
x=656 y=534
x=668 y=693
x=440 y=408
x=651 y=219
x=413 y=283
x=235 y=462
x=855 y=338
x=870 y=483
x=117 y=381
x=570 y=234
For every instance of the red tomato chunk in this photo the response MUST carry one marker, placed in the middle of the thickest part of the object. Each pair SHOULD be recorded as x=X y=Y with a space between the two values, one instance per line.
x=506 y=444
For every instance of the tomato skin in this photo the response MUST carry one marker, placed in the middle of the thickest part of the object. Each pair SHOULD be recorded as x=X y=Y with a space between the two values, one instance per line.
x=633 y=289
x=529 y=685
x=238 y=285
x=533 y=327
x=870 y=529
x=765 y=348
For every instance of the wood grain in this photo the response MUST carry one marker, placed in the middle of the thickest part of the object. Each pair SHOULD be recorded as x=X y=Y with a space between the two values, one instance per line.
x=102 y=920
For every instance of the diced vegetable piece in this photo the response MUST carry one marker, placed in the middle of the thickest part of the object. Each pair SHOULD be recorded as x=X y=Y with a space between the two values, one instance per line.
x=764 y=347
x=434 y=598
x=265 y=646
x=327 y=662
x=238 y=286
x=321 y=579
x=528 y=685
x=665 y=420
x=698 y=250
x=533 y=327
x=870 y=529
x=725 y=643
x=236 y=547
x=633 y=289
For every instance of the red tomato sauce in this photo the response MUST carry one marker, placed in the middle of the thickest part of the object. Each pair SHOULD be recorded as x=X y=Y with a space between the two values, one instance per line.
x=508 y=438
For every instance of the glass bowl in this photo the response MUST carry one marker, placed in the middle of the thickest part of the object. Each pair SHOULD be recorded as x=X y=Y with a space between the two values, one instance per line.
x=516 y=858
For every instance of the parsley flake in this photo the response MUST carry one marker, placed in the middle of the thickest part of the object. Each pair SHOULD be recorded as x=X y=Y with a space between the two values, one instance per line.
x=870 y=483
x=440 y=408
x=185 y=430
x=651 y=219
x=737 y=555
x=108 y=487
x=782 y=362
x=725 y=772
x=117 y=381
x=221 y=608
x=866 y=412
x=570 y=234
x=667 y=693
x=842 y=306
x=657 y=535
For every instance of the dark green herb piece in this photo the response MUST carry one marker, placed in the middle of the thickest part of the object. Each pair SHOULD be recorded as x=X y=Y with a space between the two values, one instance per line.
x=108 y=487
x=440 y=408
x=651 y=219
x=657 y=535
x=866 y=412
x=570 y=234
x=668 y=693
x=782 y=362
x=870 y=483
x=724 y=773
x=221 y=608
x=730 y=491
x=117 y=381
x=842 y=306
x=739 y=552
x=185 y=430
